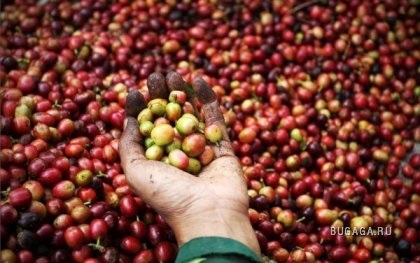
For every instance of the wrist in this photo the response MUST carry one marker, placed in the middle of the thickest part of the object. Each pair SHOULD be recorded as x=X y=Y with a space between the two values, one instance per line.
x=233 y=225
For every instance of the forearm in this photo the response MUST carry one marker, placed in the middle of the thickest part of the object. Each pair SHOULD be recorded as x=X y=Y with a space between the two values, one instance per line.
x=231 y=225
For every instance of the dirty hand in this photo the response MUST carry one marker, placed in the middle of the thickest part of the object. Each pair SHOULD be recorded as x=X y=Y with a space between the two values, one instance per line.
x=215 y=203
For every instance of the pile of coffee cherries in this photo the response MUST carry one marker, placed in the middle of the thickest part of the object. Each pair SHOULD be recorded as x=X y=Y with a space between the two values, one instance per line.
x=320 y=98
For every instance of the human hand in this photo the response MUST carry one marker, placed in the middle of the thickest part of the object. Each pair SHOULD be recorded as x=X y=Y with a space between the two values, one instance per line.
x=215 y=203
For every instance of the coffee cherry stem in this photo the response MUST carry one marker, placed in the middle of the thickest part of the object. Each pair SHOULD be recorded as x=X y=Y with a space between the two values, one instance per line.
x=5 y=193
x=301 y=219
x=56 y=105
x=97 y=245
x=346 y=51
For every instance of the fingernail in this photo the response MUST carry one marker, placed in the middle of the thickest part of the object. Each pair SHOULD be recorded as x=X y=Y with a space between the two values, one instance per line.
x=125 y=123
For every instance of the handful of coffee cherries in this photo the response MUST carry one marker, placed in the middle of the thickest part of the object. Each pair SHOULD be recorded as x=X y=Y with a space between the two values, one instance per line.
x=172 y=133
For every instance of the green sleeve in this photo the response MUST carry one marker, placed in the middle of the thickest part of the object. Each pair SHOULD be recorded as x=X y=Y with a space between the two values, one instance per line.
x=215 y=249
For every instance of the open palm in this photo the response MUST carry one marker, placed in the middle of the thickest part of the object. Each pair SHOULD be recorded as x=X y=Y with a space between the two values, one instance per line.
x=215 y=203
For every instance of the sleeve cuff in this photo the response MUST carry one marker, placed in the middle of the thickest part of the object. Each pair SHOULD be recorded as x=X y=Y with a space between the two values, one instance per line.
x=202 y=247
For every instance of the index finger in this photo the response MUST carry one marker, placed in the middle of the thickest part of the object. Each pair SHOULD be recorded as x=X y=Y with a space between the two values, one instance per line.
x=174 y=81
x=157 y=86
x=213 y=115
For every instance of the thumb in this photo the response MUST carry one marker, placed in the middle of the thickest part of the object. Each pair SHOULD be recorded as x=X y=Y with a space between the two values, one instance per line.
x=130 y=147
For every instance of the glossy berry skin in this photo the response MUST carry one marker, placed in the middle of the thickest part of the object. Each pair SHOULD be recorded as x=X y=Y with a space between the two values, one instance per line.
x=213 y=133
x=20 y=197
x=130 y=245
x=98 y=228
x=74 y=237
